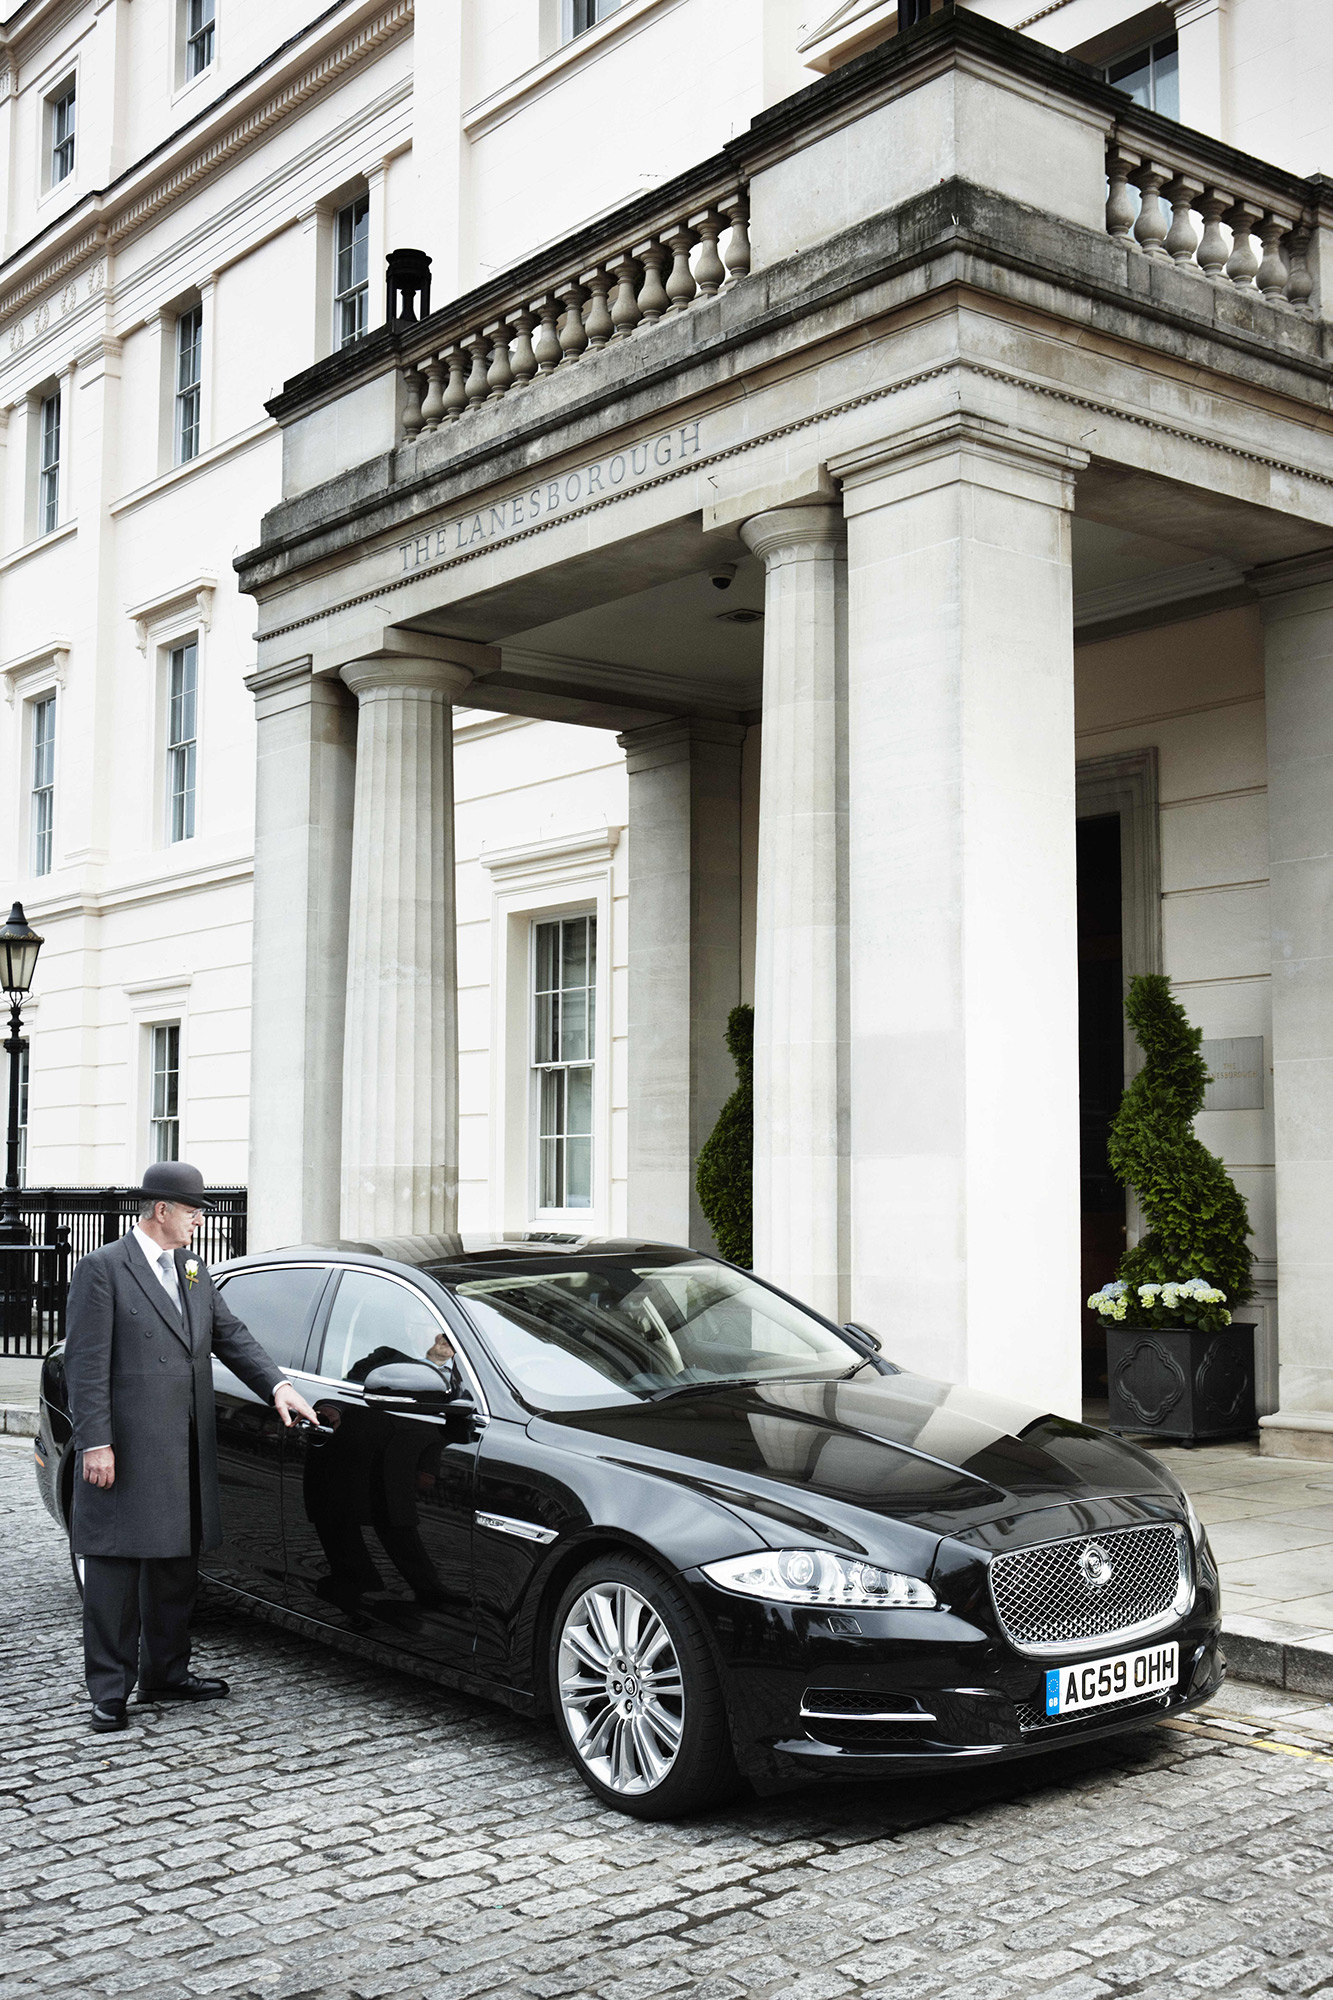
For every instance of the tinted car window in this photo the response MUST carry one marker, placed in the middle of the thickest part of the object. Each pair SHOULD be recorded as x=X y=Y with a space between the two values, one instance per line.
x=610 y=1332
x=275 y=1304
x=375 y=1321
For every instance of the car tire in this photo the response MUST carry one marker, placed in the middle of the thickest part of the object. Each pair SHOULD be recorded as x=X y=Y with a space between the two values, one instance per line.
x=636 y=1695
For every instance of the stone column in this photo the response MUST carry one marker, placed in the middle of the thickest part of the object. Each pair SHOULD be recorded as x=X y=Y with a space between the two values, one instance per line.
x=1298 y=673
x=684 y=964
x=962 y=913
x=799 y=1144
x=400 y=1066
x=305 y=774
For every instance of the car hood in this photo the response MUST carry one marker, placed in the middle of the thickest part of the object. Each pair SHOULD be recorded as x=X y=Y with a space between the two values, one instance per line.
x=948 y=1459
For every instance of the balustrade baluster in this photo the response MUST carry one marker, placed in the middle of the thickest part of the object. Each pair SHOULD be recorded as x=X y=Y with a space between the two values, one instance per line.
x=1243 y=261
x=625 y=305
x=737 y=253
x=1272 y=274
x=546 y=347
x=653 y=300
x=499 y=375
x=1300 y=281
x=1213 y=252
x=1182 y=238
x=524 y=360
x=412 y=406
x=432 y=404
x=455 y=396
x=597 y=322
x=1119 y=200
x=572 y=337
x=478 y=383
x=1150 y=230
x=709 y=270
x=680 y=286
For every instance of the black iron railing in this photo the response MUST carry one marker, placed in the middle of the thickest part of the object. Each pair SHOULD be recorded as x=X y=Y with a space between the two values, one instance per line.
x=34 y=1283
x=67 y=1223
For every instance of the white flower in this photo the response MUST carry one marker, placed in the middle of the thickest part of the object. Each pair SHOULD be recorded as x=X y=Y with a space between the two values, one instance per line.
x=192 y=1267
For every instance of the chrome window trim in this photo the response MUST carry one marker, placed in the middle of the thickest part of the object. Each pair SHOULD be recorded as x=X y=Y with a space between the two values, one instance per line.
x=451 y=1334
x=1103 y=1643
x=508 y=1524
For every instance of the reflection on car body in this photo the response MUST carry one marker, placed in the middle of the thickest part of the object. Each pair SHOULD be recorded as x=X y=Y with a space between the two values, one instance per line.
x=713 y=1535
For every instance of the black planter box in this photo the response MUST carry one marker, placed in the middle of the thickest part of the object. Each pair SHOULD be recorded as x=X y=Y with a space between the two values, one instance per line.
x=1179 y=1382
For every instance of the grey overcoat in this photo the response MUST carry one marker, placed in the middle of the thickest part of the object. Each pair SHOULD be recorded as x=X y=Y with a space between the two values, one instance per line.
x=138 y=1380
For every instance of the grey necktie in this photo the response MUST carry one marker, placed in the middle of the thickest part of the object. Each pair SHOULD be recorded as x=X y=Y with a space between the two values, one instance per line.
x=167 y=1265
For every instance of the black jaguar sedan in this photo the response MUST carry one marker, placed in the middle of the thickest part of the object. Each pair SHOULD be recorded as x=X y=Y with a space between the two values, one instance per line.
x=711 y=1533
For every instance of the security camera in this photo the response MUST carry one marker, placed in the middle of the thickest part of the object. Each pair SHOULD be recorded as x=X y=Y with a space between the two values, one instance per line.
x=723 y=575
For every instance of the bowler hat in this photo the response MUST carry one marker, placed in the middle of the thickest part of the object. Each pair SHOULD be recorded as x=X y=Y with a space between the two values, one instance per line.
x=174 y=1180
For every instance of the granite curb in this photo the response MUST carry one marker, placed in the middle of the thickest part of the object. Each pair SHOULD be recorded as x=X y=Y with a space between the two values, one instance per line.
x=18 y=1419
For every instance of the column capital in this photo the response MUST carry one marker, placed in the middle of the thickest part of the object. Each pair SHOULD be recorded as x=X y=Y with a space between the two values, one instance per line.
x=960 y=445
x=402 y=674
x=675 y=742
x=1277 y=580
x=795 y=534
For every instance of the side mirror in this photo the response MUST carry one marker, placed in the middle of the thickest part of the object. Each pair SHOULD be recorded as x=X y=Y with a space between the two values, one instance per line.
x=408 y=1382
x=866 y=1334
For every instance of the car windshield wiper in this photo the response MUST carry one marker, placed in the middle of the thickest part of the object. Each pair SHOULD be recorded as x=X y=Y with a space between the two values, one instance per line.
x=715 y=1382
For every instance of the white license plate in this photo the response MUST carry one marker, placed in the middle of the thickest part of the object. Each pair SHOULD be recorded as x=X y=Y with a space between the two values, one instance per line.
x=1093 y=1683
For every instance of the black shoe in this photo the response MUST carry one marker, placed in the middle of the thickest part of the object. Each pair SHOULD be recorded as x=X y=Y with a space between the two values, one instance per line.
x=108 y=1715
x=193 y=1688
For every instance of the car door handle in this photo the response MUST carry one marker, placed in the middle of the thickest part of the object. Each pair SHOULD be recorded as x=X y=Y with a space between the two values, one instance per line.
x=316 y=1433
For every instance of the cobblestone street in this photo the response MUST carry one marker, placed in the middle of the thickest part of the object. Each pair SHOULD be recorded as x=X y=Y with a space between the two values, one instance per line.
x=335 y=1831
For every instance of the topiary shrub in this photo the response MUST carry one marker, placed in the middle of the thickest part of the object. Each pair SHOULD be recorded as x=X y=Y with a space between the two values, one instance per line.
x=1197 y=1217
x=724 y=1171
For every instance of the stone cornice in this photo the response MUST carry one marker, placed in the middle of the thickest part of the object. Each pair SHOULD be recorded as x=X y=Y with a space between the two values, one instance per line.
x=551 y=857
x=294 y=73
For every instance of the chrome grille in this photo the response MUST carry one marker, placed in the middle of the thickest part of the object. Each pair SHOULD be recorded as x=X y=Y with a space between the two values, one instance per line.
x=1032 y=1717
x=1049 y=1598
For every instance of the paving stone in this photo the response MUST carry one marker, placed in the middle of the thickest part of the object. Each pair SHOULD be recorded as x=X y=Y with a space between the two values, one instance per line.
x=406 y=1843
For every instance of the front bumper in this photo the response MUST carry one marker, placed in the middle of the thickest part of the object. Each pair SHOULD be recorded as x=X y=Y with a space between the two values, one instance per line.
x=921 y=1690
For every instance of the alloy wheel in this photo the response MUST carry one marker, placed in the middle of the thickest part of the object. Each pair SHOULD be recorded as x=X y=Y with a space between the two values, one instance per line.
x=621 y=1688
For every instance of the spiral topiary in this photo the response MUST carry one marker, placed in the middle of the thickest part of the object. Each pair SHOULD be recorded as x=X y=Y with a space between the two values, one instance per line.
x=724 y=1171
x=1198 y=1220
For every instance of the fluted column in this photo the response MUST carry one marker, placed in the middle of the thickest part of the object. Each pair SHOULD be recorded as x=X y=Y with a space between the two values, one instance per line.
x=400 y=1075
x=800 y=934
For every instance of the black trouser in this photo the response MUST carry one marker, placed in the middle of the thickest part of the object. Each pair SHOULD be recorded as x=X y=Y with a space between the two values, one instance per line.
x=137 y=1610
x=136 y=1622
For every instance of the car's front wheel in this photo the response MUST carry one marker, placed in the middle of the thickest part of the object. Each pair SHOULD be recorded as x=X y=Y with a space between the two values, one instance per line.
x=636 y=1695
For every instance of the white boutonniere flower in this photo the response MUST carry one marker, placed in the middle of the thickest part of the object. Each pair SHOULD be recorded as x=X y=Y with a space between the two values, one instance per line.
x=191 y=1270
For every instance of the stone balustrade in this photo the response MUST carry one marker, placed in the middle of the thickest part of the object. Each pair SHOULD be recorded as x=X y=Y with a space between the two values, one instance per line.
x=1249 y=234
x=620 y=293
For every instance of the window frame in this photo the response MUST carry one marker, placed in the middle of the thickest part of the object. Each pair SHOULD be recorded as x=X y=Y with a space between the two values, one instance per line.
x=41 y=792
x=25 y=1083
x=1150 y=51
x=173 y=747
x=578 y=17
x=190 y=37
x=539 y=1070
x=174 y=1116
x=58 y=140
x=50 y=453
x=187 y=405
x=356 y=293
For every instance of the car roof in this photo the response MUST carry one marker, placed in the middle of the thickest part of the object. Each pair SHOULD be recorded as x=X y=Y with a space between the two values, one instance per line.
x=446 y=1255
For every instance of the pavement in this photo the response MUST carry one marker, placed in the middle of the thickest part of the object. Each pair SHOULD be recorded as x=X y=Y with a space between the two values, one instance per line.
x=335 y=1831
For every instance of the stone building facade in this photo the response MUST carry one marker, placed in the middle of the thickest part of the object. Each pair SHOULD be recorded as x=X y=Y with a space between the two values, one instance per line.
x=855 y=537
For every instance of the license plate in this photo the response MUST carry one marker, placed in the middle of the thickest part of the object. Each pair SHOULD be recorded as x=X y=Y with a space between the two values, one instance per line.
x=1093 y=1683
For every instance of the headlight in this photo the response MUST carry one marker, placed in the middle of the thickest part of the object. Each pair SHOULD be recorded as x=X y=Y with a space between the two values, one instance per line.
x=813 y=1576
x=1198 y=1534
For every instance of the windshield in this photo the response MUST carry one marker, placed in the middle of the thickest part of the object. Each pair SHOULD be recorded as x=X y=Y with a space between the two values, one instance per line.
x=609 y=1332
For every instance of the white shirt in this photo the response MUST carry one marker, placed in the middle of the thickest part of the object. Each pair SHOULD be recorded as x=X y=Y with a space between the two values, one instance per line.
x=153 y=1251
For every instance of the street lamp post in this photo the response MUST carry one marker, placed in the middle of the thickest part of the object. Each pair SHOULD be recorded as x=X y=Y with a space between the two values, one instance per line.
x=19 y=946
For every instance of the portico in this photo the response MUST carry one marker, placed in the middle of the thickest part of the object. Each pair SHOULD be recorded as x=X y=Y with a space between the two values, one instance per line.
x=910 y=388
